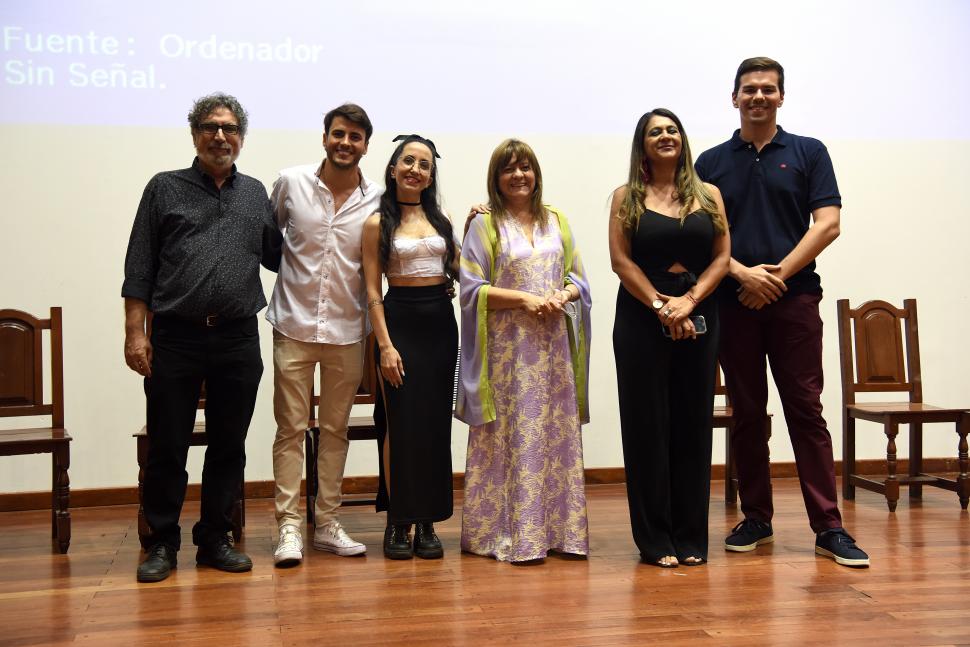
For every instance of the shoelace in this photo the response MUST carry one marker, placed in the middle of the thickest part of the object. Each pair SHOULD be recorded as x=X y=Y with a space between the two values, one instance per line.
x=747 y=522
x=844 y=538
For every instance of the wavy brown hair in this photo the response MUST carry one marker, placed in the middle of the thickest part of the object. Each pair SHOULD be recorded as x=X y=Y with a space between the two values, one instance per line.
x=503 y=154
x=689 y=185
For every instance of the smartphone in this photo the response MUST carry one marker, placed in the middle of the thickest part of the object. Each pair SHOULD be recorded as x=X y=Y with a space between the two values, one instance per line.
x=700 y=325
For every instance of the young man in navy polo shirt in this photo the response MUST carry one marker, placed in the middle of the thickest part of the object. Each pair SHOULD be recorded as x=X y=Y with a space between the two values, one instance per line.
x=772 y=183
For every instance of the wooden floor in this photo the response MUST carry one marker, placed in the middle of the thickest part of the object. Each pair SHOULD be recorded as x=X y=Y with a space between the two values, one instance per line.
x=916 y=593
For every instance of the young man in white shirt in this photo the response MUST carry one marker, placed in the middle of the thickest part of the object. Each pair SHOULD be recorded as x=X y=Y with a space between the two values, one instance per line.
x=319 y=317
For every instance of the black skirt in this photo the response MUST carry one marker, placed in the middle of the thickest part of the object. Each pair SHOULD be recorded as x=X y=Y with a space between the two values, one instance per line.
x=417 y=415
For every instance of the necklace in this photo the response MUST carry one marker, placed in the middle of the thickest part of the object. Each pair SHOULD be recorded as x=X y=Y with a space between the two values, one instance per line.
x=409 y=204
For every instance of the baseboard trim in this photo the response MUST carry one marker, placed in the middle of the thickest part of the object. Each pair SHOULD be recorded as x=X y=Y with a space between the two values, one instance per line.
x=357 y=485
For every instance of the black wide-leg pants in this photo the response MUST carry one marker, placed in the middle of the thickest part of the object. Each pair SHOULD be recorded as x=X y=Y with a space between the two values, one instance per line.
x=417 y=415
x=227 y=359
x=666 y=393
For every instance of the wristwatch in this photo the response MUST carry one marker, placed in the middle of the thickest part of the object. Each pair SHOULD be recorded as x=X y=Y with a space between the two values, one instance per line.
x=657 y=304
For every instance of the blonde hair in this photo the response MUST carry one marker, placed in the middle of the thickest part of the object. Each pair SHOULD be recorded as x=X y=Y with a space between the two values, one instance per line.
x=689 y=186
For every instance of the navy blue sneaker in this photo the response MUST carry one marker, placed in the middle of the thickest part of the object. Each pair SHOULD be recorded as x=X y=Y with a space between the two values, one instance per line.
x=840 y=546
x=748 y=535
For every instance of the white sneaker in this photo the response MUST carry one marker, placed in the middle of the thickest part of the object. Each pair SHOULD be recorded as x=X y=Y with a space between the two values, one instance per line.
x=332 y=537
x=289 y=550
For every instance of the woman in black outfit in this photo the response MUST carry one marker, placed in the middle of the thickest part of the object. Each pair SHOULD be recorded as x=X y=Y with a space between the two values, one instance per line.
x=670 y=247
x=411 y=242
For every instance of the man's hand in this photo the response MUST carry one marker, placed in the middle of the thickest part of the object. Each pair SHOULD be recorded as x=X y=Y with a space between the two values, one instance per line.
x=138 y=353
x=138 y=350
x=760 y=285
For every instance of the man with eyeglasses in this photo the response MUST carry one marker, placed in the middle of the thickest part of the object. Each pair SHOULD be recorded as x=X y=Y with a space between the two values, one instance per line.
x=318 y=315
x=193 y=263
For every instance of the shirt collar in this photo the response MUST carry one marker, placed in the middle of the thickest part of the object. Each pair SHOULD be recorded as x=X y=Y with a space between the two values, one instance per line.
x=197 y=167
x=366 y=186
x=781 y=138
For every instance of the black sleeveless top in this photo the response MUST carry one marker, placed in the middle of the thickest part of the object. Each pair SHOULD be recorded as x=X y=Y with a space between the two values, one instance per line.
x=660 y=241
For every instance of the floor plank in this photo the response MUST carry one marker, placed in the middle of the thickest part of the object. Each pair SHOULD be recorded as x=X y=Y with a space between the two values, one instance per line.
x=914 y=594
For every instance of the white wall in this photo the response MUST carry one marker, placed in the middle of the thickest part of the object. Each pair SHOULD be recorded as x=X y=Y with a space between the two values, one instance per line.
x=70 y=191
x=71 y=194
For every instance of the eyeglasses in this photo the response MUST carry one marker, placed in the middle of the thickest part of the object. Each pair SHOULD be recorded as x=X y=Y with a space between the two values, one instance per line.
x=408 y=162
x=210 y=128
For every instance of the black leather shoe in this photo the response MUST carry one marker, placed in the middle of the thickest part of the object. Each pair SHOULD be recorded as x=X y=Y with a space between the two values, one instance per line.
x=397 y=542
x=159 y=564
x=223 y=556
x=426 y=543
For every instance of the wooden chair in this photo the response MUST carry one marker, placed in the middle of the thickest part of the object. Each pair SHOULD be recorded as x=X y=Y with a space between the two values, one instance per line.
x=197 y=439
x=871 y=342
x=358 y=428
x=22 y=394
x=724 y=418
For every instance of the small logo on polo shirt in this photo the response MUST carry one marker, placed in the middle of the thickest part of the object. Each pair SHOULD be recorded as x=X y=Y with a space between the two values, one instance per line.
x=783 y=165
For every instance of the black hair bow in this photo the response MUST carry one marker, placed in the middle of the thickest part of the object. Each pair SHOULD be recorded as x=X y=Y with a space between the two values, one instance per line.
x=418 y=138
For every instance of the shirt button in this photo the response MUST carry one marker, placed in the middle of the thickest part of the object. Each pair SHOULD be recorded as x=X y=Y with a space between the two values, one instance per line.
x=757 y=159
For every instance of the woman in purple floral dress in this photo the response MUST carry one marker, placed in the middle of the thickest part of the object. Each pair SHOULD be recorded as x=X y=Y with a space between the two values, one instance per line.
x=525 y=306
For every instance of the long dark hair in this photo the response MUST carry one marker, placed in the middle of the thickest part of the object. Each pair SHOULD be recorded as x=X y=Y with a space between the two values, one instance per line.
x=391 y=212
x=689 y=185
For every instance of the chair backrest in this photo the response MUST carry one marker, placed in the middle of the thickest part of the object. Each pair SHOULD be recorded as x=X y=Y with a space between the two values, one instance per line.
x=879 y=349
x=719 y=388
x=22 y=366
x=148 y=331
x=366 y=391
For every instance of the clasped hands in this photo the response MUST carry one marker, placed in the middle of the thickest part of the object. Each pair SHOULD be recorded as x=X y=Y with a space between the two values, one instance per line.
x=542 y=306
x=760 y=285
x=675 y=315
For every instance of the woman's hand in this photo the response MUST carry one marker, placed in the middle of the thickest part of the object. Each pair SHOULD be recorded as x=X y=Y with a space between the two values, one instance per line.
x=558 y=299
x=675 y=309
x=392 y=367
x=536 y=305
x=684 y=329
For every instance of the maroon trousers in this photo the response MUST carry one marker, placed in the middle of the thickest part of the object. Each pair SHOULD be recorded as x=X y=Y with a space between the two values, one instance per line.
x=789 y=333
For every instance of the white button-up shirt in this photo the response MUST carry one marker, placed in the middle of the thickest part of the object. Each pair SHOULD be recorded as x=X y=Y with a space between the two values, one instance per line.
x=320 y=294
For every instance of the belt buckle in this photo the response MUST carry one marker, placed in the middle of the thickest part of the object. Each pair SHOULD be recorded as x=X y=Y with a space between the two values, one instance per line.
x=211 y=321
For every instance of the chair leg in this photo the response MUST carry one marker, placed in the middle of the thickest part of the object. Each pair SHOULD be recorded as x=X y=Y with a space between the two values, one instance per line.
x=61 y=459
x=915 y=458
x=730 y=477
x=892 y=482
x=144 y=532
x=311 y=442
x=239 y=512
x=848 y=455
x=963 y=480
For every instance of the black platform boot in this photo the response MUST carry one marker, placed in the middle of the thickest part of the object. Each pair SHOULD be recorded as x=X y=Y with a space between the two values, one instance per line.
x=397 y=542
x=426 y=543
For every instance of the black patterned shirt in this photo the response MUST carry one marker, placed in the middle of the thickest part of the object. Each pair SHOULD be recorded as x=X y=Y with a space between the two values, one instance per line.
x=195 y=249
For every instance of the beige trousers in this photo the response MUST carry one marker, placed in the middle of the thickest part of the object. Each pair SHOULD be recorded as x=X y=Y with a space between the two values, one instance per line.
x=294 y=363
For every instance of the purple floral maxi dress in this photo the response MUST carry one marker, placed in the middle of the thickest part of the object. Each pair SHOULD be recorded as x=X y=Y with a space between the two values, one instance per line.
x=523 y=393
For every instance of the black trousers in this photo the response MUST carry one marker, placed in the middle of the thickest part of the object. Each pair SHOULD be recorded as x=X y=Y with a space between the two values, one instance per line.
x=666 y=392
x=227 y=359
x=421 y=323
